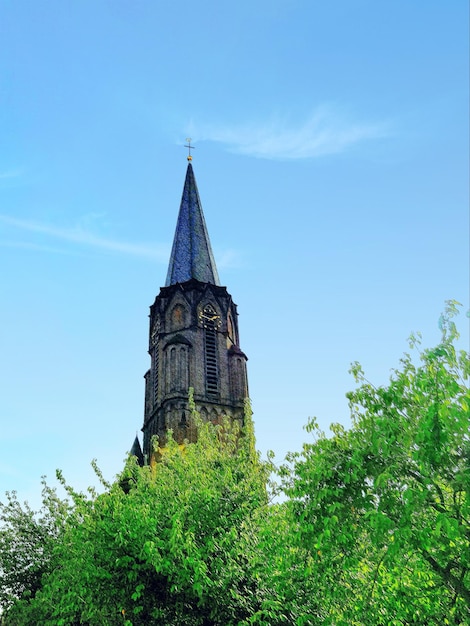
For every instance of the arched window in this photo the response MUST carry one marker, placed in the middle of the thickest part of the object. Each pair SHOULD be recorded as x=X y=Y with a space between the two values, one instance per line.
x=238 y=379
x=183 y=368
x=231 y=337
x=148 y=394
x=241 y=378
x=173 y=370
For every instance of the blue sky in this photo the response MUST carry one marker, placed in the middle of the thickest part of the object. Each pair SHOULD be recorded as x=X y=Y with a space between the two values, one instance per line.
x=332 y=163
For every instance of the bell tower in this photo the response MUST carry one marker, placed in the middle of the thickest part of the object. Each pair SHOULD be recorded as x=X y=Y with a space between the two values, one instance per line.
x=193 y=336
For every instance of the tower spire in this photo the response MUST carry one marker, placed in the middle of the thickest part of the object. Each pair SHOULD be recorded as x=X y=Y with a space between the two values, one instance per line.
x=191 y=255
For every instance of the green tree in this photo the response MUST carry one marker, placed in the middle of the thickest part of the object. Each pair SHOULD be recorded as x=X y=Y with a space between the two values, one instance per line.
x=169 y=544
x=382 y=510
x=27 y=541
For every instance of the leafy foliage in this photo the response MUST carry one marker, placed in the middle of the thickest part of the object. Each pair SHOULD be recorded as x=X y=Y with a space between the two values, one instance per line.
x=383 y=509
x=168 y=544
x=26 y=544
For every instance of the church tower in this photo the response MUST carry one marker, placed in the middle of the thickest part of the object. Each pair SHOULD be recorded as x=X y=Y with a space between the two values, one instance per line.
x=193 y=336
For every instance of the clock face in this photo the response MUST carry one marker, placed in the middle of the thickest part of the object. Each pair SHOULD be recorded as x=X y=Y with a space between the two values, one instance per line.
x=209 y=317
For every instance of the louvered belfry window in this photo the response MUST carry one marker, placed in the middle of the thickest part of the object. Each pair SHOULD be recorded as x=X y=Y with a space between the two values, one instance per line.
x=155 y=338
x=155 y=373
x=212 y=377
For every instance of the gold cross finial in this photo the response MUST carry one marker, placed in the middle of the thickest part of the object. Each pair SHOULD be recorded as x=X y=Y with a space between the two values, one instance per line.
x=190 y=147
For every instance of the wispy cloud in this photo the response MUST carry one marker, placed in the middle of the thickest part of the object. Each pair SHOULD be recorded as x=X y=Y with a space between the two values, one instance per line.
x=8 y=469
x=28 y=245
x=327 y=130
x=79 y=235
x=228 y=258
x=8 y=174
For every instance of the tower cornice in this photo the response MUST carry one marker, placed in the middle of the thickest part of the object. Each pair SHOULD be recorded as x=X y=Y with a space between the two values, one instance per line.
x=192 y=285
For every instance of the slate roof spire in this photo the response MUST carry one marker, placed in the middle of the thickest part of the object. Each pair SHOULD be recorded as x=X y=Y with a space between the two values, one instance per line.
x=136 y=450
x=191 y=255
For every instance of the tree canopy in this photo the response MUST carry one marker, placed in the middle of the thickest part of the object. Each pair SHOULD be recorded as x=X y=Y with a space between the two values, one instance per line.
x=383 y=508
x=372 y=526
